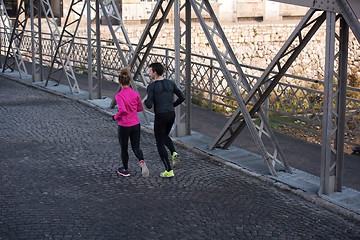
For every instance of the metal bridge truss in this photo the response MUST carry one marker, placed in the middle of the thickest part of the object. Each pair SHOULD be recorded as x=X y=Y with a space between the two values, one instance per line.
x=36 y=43
x=64 y=60
x=257 y=94
x=350 y=17
x=332 y=151
x=271 y=154
x=93 y=51
x=183 y=65
x=14 y=37
x=335 y=84
x=147 y=40
x=336 y=114
x=109 y=9
x=151 y=31
x=332 y=154
x=63 y=44
x=139 y=56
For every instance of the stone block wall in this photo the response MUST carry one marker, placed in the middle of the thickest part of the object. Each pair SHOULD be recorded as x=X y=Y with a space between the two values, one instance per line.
x=257 y=44
x=253 y=44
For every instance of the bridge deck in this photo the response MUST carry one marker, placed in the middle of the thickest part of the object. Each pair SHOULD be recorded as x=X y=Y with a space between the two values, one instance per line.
x=58 y=181
x=304 y=157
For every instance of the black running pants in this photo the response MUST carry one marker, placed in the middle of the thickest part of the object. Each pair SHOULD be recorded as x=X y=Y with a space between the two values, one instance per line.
x=124 y=133
x=162 y=127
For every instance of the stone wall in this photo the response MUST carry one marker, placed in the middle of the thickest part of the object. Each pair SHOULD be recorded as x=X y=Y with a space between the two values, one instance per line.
x=254 y=45
x=257 y=44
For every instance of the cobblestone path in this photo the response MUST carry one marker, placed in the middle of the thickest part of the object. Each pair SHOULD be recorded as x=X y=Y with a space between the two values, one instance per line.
x=58 y=161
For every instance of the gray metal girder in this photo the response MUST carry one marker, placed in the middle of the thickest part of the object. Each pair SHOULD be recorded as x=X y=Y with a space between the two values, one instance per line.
x=224 y=59
x=14 y=38
x=109 y=9
x=65 y=41
x=63 y=55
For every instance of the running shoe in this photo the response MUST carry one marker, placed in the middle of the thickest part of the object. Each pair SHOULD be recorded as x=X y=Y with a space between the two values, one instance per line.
x=144 y=169
x=123 y=172
x=175 y=159
x=167 y=174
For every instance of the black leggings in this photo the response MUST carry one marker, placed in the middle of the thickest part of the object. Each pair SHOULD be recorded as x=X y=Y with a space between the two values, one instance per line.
x=162 y=127
x=124 y=133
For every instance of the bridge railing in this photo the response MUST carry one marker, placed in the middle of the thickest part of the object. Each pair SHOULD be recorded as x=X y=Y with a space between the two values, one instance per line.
x=295 y=102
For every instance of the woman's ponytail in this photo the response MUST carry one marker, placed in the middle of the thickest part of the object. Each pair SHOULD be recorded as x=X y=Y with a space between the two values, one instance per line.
x=124 y=76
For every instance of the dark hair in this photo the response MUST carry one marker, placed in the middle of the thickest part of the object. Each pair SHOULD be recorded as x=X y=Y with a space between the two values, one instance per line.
x=124 y=76
x=157 y=67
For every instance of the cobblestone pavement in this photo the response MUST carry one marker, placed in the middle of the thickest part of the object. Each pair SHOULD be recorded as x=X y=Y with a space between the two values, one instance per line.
x=58 y=181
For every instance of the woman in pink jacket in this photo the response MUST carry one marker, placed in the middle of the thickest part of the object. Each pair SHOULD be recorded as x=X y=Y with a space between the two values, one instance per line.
x=129 y=104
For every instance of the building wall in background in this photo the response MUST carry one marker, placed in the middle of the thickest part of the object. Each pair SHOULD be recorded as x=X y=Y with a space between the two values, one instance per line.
x=139 y=11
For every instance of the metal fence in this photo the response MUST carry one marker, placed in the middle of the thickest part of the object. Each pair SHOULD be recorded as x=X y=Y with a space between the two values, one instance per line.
x=296 y=101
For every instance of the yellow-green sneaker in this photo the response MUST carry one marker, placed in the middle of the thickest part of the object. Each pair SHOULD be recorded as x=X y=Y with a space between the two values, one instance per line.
x=167 y=174
x=175 y=159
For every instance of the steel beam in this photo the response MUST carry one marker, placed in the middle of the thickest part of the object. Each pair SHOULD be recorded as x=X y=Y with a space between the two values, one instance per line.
x=94 y=51
x=328 y=6
x=350 y=10
x=332 y=151
x=14 y=39
x=188 y=67
x=65 y=42
x=182 y=62
x=110 y=10
x=327 y=177
x=151 y=31
x=36 y=44
x=16 y=34
x=282 y=61
x=64 y=60
x=341 y=104
x=224 y=59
